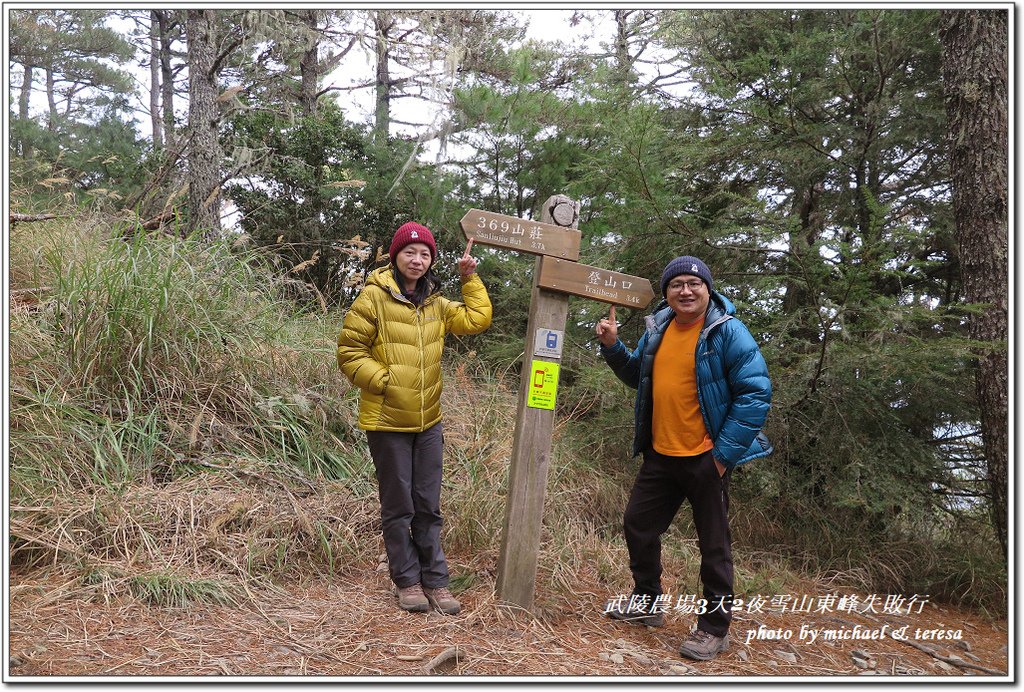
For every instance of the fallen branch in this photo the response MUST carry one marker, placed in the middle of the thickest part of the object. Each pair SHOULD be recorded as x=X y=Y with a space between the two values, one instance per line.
x=25 y=218
x=957 y=661
x=934 y=654
x=156 y=223
x=235 y=472
x=451 y=654
x=27 y=298
x=158 y=220
x=34 y=289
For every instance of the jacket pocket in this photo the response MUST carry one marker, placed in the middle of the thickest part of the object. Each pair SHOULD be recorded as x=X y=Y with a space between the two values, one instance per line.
x=378 y=384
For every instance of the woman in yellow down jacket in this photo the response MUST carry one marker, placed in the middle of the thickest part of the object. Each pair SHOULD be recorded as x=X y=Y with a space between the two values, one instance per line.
x=390 y=347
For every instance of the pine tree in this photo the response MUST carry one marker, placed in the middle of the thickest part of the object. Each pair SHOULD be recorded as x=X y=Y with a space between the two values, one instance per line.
x=84 y=137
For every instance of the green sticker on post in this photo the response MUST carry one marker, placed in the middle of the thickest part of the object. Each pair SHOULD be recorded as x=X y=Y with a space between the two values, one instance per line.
x=543 y=385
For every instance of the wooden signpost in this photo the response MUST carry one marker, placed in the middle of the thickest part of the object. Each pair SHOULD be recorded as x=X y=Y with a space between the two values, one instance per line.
x=556 y=241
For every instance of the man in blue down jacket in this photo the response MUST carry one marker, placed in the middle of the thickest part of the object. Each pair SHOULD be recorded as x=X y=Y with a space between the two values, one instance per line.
x=702 y=397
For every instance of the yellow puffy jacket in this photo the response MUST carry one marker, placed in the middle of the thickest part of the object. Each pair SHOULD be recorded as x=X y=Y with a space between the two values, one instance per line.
x=391 y=349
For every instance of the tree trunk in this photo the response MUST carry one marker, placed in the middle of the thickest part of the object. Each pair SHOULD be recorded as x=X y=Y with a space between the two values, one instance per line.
x=309 y=66
x=154 y=81
x=800 y=295
x=204 y=152
x=26 y=93
x=51 y=101
x=623 y=61
x=974 y=71
x=24 y=97
x=166 y=76
x=382 y=23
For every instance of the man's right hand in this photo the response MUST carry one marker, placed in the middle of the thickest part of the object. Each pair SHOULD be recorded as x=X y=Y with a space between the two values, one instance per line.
x=607 y=329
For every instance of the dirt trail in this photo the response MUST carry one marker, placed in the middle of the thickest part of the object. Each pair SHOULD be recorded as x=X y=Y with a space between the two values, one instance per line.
x=342 y=627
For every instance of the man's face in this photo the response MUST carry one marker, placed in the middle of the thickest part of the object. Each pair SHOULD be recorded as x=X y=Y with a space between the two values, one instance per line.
x=688 y=297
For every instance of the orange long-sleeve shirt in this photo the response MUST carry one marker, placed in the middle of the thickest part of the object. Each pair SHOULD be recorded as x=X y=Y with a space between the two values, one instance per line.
x=677 y=426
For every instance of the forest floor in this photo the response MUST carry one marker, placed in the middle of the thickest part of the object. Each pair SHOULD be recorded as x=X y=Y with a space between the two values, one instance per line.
x=349 y=626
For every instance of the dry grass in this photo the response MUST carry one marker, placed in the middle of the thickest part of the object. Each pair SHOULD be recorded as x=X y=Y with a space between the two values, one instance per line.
x=205 y=525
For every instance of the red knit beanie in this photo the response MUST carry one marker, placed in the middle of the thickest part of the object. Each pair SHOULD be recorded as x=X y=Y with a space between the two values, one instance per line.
x=412 y=232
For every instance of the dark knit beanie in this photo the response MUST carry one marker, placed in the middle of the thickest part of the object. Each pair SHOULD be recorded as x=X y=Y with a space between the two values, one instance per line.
x=409 y=233
x=686 y=265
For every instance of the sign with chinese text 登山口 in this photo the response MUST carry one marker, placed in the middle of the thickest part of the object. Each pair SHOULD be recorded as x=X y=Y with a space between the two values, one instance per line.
x=595 y=283
x=522 y=235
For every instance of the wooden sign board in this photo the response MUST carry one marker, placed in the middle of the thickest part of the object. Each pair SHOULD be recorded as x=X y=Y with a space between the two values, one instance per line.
x=521 y=235
x=595 y=283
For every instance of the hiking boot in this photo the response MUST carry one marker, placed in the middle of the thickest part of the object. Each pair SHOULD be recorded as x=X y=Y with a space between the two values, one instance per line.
x=442 y=599
x=636 y=616
x=412 y=599
x=702 y=646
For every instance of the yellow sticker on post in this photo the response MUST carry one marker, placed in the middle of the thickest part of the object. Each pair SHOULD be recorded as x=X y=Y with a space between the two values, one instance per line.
x=543 y=387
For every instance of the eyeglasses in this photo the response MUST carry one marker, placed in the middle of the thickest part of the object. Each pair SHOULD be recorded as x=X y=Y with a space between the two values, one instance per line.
x=692 y=285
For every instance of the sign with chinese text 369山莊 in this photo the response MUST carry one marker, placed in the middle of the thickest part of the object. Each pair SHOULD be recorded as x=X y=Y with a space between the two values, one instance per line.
x=522 y=235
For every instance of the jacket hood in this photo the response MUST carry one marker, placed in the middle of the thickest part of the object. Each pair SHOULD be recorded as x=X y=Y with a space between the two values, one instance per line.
x=721 y=304
x=383 y=277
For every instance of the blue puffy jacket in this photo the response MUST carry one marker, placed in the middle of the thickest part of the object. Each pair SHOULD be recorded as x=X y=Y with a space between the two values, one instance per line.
x=732 y=381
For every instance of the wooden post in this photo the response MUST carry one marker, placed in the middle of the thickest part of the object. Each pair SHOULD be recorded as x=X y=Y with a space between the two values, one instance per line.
x=556 y=242
x=531 y=449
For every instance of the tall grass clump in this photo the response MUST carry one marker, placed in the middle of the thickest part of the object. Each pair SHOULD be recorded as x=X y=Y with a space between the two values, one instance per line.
x=163 y=588
x=141 y=363
x=156 y=348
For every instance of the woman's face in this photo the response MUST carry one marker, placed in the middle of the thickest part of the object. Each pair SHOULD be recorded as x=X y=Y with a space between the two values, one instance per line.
x=413 y=261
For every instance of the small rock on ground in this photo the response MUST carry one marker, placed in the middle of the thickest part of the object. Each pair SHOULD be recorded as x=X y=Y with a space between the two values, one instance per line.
x=786 y=656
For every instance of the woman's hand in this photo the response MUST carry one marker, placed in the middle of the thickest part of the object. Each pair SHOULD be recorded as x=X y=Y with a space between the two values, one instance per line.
x=608 y=329
x=467 y=263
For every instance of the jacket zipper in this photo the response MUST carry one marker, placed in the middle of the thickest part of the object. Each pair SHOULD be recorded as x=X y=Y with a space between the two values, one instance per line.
x=419 y=323
x=703 y=337
x=419 y=332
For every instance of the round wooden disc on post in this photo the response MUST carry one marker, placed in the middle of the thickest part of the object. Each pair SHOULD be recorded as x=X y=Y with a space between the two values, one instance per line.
x=564 y=213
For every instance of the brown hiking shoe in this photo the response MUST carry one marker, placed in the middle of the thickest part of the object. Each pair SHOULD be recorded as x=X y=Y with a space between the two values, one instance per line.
x=702 y=646
x=413 y=599
x=442 y=599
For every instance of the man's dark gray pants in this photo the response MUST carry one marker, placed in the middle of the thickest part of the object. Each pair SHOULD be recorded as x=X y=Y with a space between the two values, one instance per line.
x=408 y=467
x=661 y=485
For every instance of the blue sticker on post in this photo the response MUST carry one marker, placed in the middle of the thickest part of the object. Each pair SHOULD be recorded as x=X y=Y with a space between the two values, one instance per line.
x=543 y=387
x=548 y=343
